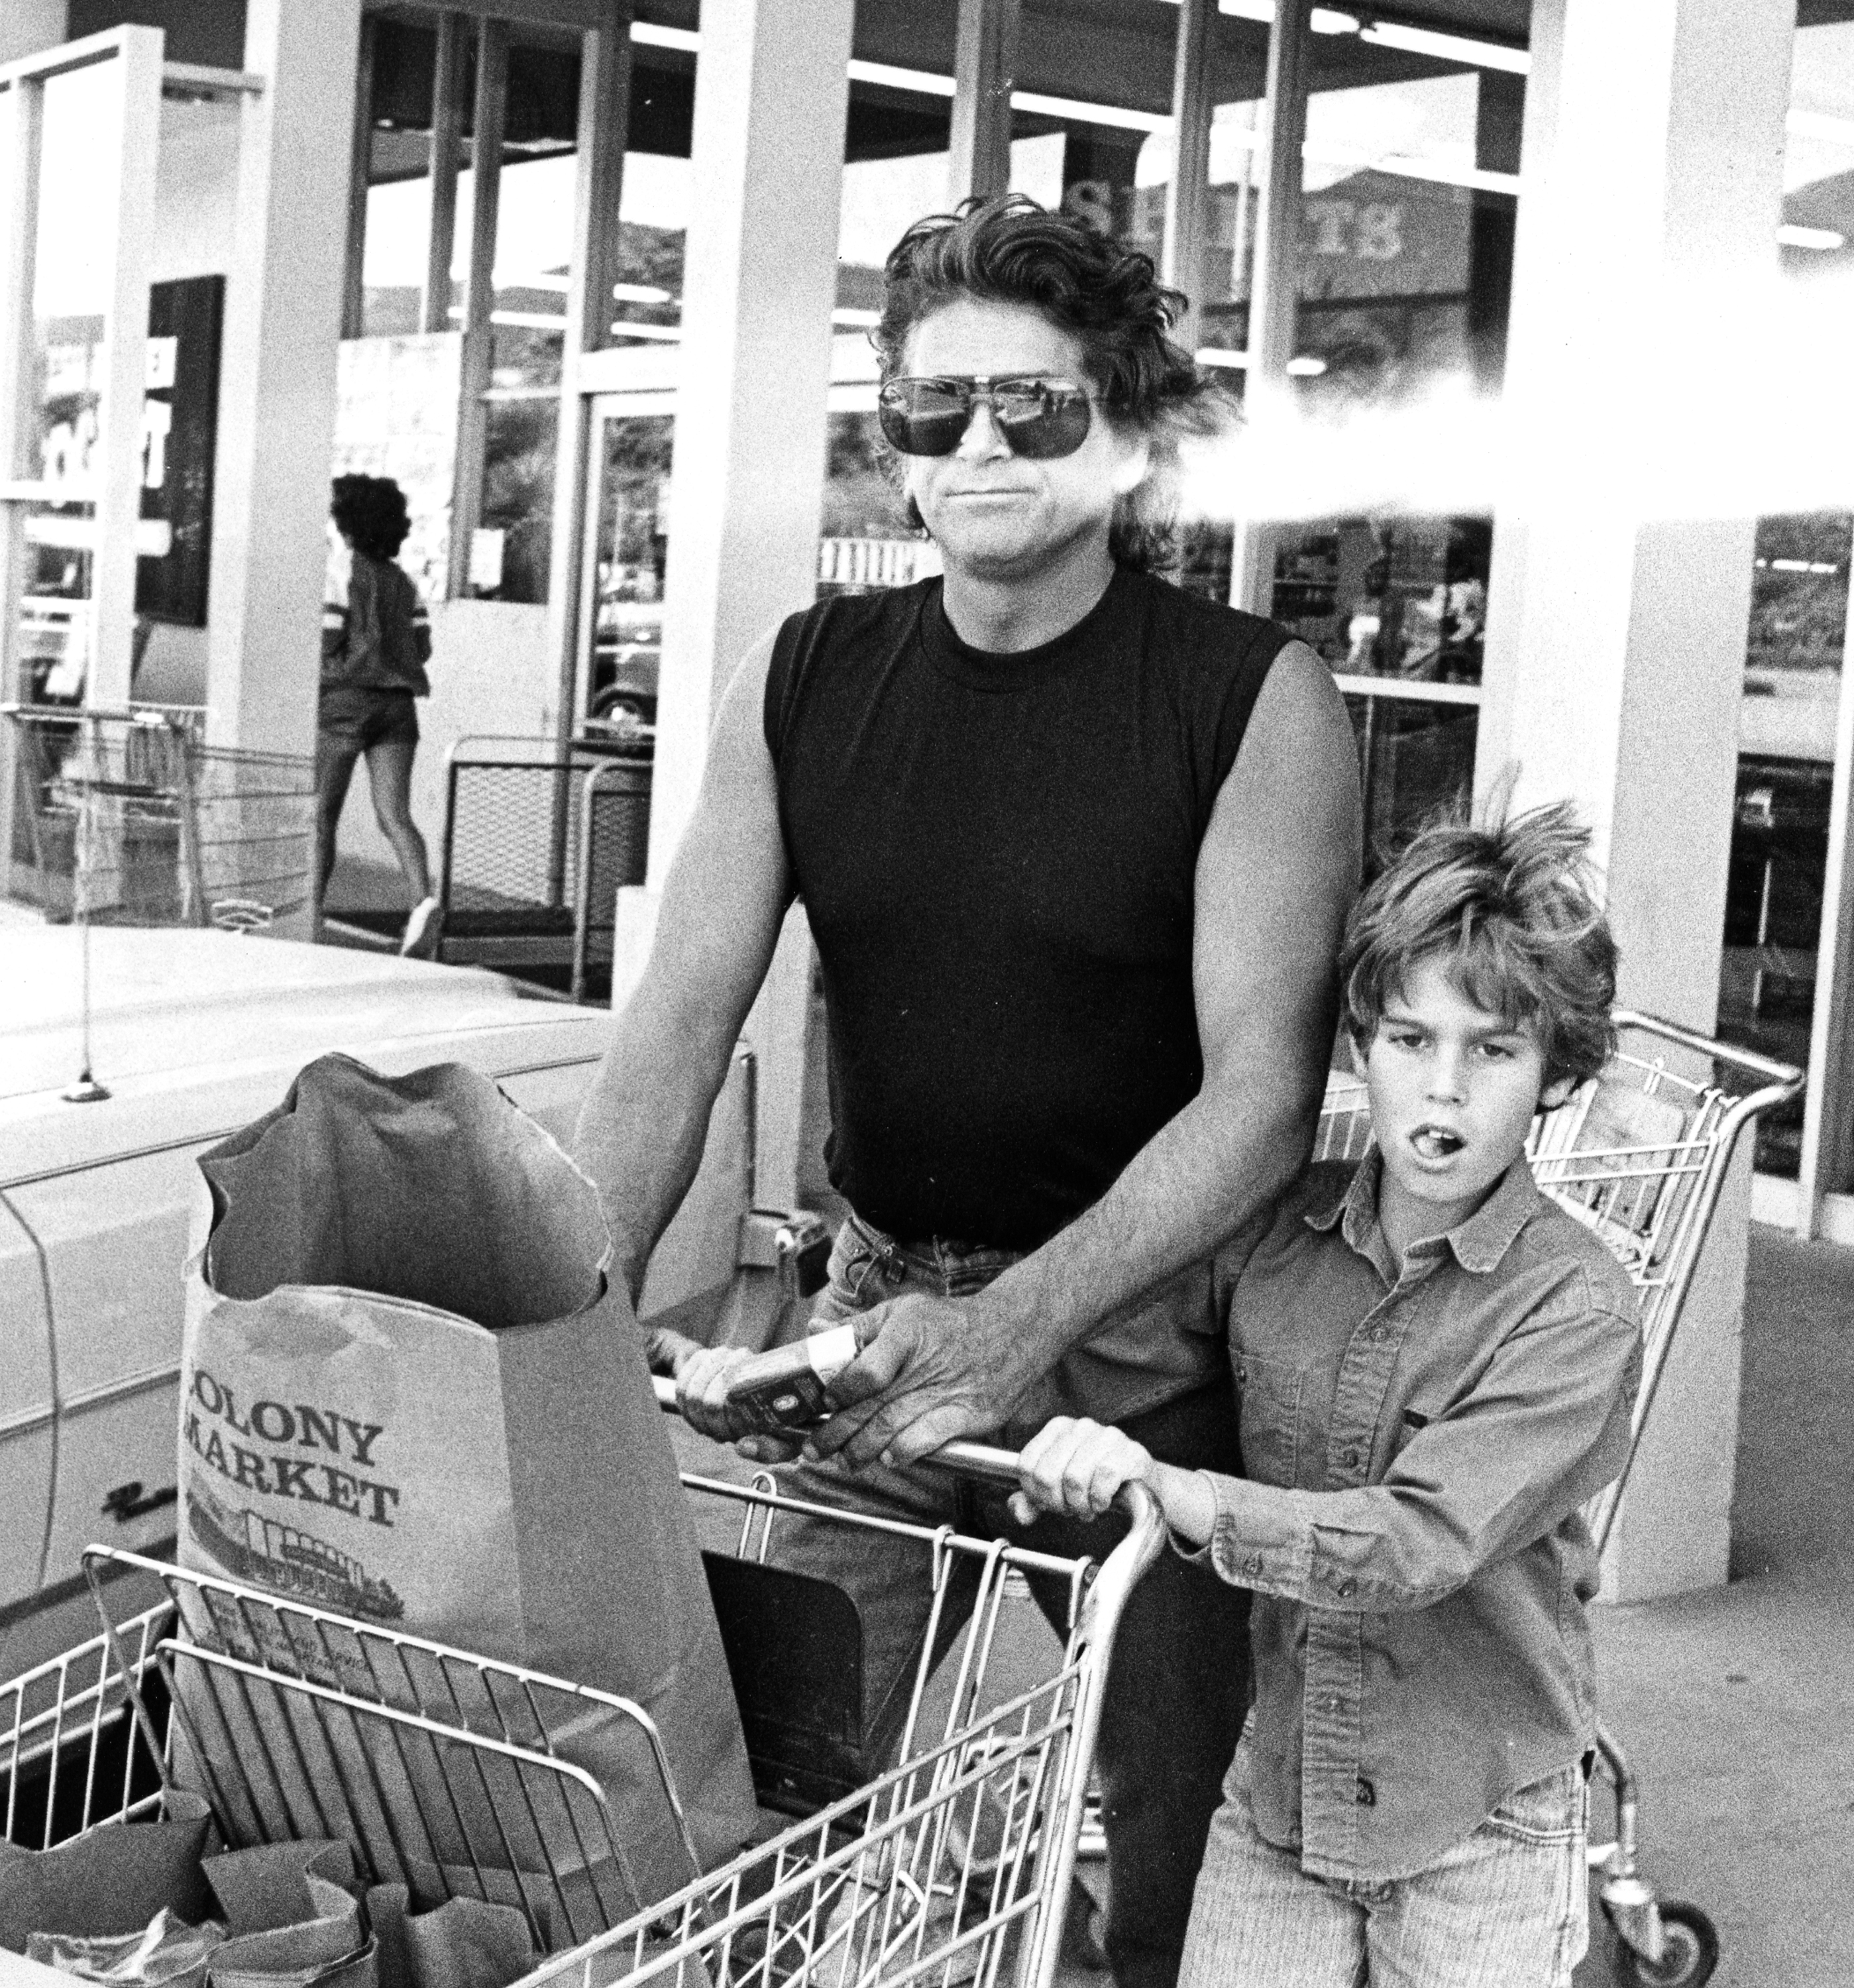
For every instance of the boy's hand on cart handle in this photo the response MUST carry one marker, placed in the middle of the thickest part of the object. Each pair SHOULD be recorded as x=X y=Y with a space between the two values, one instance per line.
x=1078 y=1468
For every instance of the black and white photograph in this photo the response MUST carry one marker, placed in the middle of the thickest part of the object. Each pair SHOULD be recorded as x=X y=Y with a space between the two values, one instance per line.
x=926 y=993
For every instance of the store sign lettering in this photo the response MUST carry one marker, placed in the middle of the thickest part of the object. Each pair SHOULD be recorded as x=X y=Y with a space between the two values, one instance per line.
x=1372 y=231
x=1361 y=238
x=178 y=421
x=66 y=447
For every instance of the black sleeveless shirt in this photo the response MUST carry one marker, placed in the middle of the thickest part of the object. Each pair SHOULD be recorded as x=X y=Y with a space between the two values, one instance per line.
x=997 y=854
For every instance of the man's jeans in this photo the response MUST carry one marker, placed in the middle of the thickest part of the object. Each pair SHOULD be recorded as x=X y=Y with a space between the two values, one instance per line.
x=1505 y=1908
x=1178 y=1689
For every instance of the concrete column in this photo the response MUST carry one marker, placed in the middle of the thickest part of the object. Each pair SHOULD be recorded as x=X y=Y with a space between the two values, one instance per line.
x=747 y=484
x=1652 y=167
x=277 y=374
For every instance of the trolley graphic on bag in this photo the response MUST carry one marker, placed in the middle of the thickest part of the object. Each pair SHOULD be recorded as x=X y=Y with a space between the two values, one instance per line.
x=952 y=1866
x=286 y=1559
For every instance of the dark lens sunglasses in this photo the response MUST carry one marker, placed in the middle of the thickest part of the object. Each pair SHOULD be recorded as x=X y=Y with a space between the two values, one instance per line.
x=1040 y=418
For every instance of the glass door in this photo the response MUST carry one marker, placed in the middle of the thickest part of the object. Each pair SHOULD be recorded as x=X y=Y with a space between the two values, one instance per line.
x=865 y=538
x=626 y=557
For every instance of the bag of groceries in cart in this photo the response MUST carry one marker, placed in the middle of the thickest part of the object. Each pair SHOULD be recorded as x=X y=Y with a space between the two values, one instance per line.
x=410 y=1397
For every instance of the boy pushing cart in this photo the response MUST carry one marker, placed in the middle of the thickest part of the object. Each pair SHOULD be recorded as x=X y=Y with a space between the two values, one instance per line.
x=1436 y=1367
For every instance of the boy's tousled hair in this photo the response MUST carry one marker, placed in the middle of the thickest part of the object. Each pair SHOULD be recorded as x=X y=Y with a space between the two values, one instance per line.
x=1108 y=298
x=372 y=511
x=1510 y=907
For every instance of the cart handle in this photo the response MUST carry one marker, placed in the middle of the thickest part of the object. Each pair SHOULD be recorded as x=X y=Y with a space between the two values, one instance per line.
x=982 y=1460
x=1786 y=1075
x=992 y=1464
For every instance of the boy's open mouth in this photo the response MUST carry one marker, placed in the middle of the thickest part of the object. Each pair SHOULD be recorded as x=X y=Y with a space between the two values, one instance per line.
x=1435 y=1142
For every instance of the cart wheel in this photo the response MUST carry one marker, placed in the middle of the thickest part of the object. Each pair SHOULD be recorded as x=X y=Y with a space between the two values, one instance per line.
x=1690 y=1951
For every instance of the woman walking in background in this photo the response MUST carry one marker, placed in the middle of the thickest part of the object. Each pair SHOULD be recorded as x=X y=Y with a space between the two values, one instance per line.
x=376 y=641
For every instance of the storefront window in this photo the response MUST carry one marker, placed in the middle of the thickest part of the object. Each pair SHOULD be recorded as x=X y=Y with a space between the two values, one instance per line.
x=1409 y=193
x=406 y=231
x=78 y=169
x=632 y=436
x=1093 y=93
x=1794 y=651
x=653 y=209
x=895 y=163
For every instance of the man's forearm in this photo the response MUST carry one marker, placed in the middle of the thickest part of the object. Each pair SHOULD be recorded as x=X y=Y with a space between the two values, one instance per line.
x=641 y=1133
x=1186 y=1192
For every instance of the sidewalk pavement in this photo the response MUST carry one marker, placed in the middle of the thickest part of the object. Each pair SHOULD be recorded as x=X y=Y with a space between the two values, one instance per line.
x=1737 y=1703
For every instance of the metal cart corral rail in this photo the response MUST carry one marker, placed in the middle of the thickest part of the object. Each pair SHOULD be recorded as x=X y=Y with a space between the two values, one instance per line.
x=461 y=1777
x=538 y=836
x=1638 y=1156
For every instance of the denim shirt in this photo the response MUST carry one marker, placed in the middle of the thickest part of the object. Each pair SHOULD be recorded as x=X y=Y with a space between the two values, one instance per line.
x=1418 y=1446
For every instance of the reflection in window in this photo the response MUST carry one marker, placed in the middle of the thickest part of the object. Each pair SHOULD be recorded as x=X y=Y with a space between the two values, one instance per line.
x=1794 y=653
x=532 y=268
x=632 y=564
x=895 y=168
x=1414 y=757
x=1405 y=266
x=1780 y=825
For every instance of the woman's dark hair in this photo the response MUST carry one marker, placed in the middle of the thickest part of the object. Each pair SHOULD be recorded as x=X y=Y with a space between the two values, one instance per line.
x=371 y=511
x=1107 y=298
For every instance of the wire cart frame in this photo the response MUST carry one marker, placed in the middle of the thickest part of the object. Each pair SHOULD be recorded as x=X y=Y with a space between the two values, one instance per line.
x=464 y=1777
x=1638 y=1156
x=456 y=1774
x=133 y=818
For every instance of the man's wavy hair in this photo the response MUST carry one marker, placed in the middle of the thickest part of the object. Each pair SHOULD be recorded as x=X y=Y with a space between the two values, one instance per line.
x=372 y=511
x=1108 y=299
x=1510 y=907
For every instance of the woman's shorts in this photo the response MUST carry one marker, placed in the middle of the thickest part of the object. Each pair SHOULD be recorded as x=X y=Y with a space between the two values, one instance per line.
x=360 y=718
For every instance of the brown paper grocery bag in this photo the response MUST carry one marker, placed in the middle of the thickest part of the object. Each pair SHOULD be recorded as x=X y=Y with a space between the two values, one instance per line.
x=108 y=1881
x=410 y=1396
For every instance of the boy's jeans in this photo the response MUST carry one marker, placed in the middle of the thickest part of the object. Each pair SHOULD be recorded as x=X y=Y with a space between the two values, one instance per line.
x=1504 y=1909
x=1178 y=1691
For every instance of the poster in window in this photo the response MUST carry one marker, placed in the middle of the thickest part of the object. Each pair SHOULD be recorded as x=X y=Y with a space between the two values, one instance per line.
x=180 y=426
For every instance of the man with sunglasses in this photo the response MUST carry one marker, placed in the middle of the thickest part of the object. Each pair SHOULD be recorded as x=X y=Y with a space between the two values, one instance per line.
x=1076 y=849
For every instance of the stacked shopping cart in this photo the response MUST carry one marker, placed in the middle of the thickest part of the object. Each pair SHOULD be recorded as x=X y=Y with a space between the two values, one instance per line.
x=132 y=818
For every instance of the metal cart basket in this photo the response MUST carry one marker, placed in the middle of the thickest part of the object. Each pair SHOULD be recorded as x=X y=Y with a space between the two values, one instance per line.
x=1638 y=1156
x=130 y=817
x=454 y=1774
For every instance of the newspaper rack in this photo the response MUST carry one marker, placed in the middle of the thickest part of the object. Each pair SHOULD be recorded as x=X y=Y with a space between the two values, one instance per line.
x=452 y=1772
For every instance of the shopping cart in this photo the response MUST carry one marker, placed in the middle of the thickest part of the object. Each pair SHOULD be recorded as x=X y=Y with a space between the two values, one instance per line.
x=130 y=817
x=457 y=1775
x=1638 y=1156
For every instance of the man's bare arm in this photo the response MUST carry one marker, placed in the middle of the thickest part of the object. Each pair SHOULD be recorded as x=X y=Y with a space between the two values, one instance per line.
x=1276 y=875
x=643 y=1126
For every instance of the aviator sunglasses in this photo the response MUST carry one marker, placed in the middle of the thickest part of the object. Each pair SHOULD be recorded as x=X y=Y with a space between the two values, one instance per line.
x=1040 y=417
